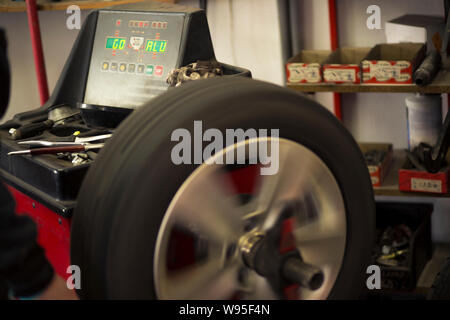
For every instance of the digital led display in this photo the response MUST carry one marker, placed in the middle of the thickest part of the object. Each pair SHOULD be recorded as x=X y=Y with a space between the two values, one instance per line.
x=115 y=43
x=156 y=46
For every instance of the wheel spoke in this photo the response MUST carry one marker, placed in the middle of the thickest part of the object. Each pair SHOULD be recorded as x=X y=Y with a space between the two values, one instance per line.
x=210 y=209
x=294 y=178
x=326 y=230
x=208 y=280
x=316 y=233
x=257 y=288
x=321 y=242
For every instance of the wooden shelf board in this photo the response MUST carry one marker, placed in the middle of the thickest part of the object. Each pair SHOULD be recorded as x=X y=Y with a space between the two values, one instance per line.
x=46 y=5
x=390 y=184
x=440 y=84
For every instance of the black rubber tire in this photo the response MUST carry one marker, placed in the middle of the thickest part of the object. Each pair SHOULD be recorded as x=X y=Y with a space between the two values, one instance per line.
x=129 y=187
x=440 y=290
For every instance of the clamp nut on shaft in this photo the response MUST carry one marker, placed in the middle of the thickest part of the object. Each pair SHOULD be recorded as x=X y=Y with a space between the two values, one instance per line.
x=306 y=275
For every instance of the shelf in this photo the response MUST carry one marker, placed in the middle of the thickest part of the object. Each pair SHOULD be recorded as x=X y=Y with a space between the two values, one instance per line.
x=390 y=184
x=441 y=84
x=46 y=5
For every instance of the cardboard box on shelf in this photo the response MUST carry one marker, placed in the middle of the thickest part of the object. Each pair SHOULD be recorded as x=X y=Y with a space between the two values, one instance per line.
x=392 y=63
x=378 y=167
x=416 y=28
x=306 y=67
x=415 y=180
x=344 y=65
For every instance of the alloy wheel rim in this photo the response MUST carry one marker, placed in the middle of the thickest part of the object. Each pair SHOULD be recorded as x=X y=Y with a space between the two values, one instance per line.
x=207 y=209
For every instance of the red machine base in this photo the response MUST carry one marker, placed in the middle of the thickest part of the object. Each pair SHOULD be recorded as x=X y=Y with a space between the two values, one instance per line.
x=53 y=230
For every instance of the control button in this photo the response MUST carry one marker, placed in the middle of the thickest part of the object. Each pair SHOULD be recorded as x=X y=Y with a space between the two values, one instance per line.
x=150 y=69
x=154 y=24
x=123 y=67
x=113 y=66
x=118 y=22
x=131 y=68
x=146 y=24
x=105 y=65
x=158 y=70
x=141 y=68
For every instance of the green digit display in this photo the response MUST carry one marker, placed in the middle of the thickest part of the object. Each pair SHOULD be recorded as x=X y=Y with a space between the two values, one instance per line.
x=156 y=46
x=115 y=43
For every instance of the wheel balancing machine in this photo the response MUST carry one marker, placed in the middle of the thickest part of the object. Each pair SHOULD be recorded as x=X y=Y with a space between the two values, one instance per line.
x=93 y=167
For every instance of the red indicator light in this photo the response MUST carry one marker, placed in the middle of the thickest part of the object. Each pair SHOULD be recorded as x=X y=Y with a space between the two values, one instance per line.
x=118 y=22
x=141 y=24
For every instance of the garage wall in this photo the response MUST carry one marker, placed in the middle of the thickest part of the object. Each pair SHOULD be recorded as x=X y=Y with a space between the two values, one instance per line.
x=247 y=34
x=372 y=116
x=57 y=42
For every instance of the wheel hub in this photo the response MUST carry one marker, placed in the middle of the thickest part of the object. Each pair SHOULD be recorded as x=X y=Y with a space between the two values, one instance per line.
x=261 y=254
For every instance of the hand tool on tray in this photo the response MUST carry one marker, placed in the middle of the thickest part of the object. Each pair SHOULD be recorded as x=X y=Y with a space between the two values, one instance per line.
x=77 y=141
x=54 y=150
x=56 y=115
x=31 y=129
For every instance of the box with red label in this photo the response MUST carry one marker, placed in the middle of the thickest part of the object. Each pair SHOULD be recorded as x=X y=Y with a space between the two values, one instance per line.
x=412 y=179
x=306 y=67
x=392 y=63
x=378 y=158
x=344 y=65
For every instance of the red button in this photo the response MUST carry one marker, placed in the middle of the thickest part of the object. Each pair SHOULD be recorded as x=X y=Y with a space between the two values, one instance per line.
x=158 y=71
x=118 y=22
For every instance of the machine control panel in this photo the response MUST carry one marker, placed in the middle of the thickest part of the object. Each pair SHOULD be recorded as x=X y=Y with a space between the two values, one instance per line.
x=132 y=54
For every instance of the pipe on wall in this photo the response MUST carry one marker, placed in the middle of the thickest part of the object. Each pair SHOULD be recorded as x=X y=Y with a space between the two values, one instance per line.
x=36 y=42
x=332 y=13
